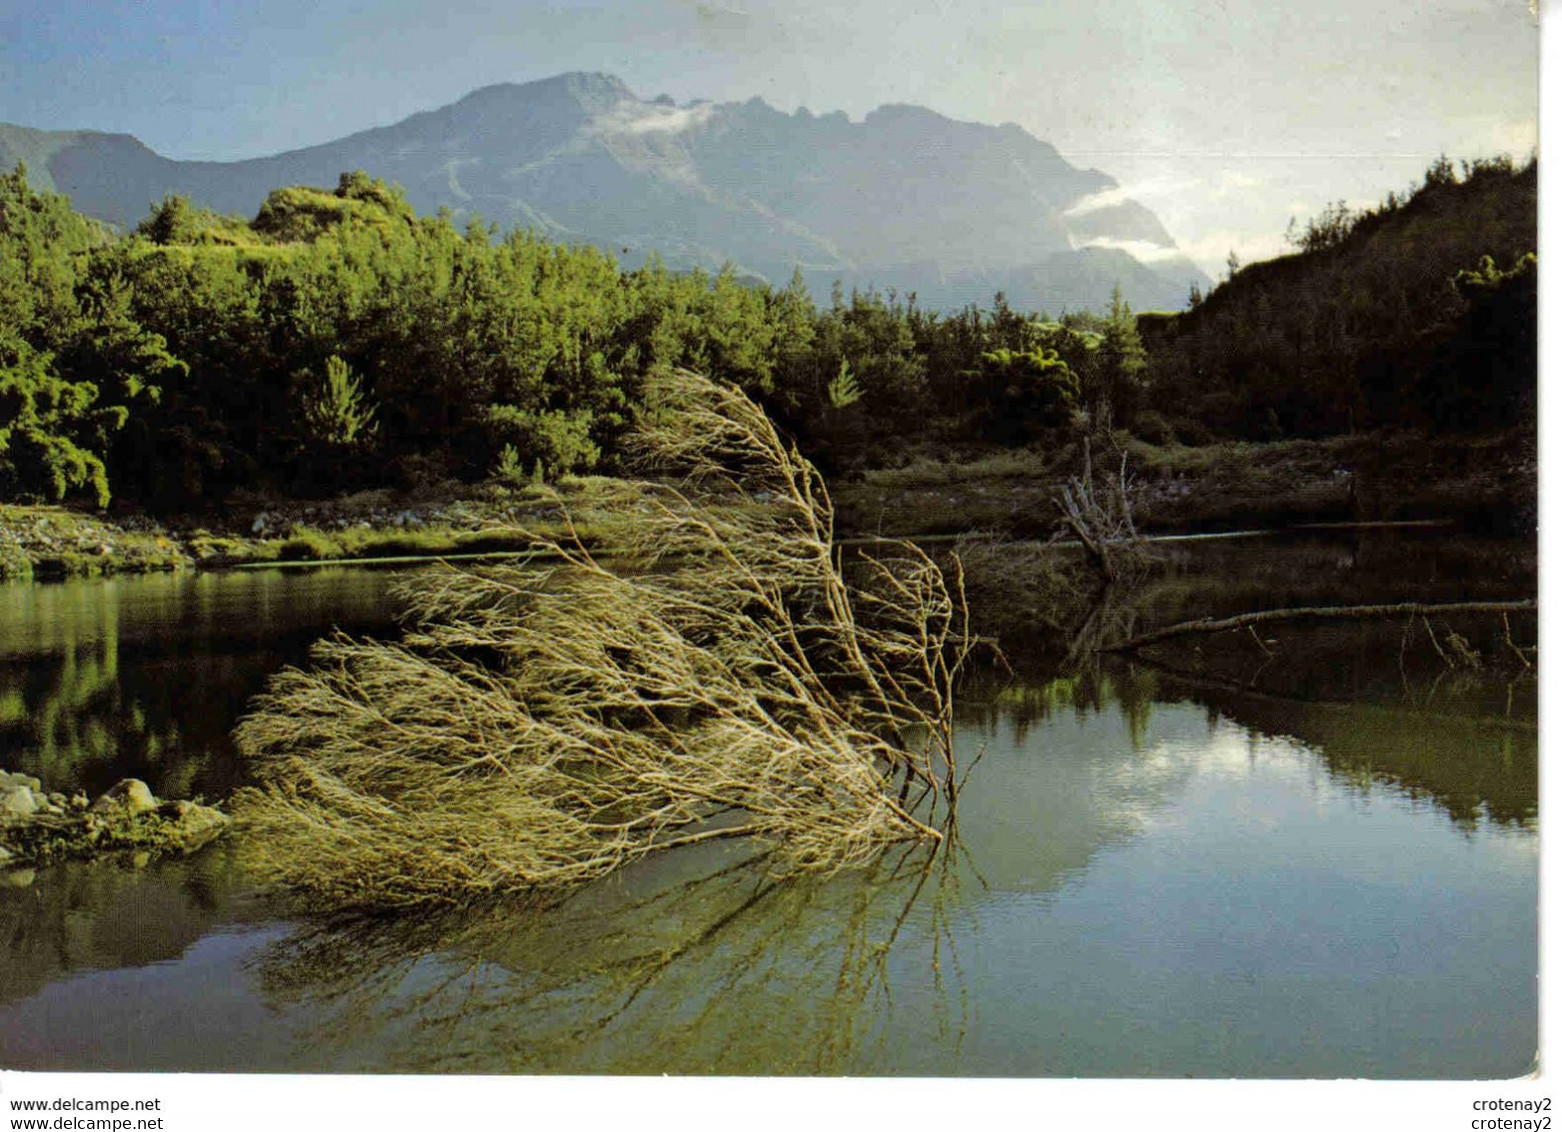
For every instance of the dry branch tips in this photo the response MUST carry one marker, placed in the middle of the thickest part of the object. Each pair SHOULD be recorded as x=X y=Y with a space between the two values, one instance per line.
x=720 y=675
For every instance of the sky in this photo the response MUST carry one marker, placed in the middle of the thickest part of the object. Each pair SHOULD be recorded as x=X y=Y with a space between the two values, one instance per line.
x=1225 y=118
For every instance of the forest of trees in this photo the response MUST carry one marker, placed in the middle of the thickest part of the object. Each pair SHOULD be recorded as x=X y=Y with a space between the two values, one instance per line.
x=1419 y=313
x=338 y=341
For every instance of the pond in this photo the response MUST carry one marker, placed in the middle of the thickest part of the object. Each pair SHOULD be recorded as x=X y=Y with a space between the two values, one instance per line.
x=1318 y=865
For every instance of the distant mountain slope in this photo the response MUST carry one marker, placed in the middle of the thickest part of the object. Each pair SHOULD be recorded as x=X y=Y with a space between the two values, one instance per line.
x=904 y=199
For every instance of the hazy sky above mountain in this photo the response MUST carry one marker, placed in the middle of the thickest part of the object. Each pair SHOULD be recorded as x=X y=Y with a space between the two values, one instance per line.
x=1225 y=118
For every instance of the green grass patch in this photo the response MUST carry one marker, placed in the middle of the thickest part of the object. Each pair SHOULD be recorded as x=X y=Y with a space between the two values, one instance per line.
x=52 y=542
x=308 y=544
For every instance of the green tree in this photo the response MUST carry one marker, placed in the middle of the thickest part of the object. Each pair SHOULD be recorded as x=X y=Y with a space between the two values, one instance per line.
x=44 y=247
x=1328 y=229
x=556 y=440
x=791 y=315
x=1023 y=394
x=333 y=408
x=172 y=221
x=1122 y=364
x=843 y=390
x=72 y=360
x=46 y=428
x=1440 y=172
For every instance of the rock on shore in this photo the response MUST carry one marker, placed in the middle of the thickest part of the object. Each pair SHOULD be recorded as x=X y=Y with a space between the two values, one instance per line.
x=36 y=826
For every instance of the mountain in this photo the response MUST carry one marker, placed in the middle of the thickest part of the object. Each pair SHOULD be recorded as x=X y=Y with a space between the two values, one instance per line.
x=905 y=199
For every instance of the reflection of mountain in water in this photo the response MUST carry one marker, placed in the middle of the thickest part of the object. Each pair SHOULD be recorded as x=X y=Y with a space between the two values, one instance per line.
x=1429 y=738
x=1399 y=703
x=1049 y=798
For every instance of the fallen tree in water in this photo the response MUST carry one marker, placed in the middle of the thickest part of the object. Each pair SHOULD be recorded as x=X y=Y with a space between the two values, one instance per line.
x=707 y=669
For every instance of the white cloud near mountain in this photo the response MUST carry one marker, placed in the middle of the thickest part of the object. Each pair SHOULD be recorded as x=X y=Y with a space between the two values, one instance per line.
x=1145 y=251
x=1140 y=191
x=1222 y=184
x=637 y=118
x=1211 y=249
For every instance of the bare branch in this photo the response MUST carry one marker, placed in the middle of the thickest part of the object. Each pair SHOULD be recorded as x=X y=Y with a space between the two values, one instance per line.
x=709 y=669
x=1323 y=612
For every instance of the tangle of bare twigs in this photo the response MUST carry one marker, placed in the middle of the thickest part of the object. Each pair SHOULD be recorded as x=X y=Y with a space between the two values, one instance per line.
x=706 y=668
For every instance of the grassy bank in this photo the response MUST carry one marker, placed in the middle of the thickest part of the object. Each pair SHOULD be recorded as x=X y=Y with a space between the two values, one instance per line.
x=1487 y=483
x=46 y=542
x=56 y=542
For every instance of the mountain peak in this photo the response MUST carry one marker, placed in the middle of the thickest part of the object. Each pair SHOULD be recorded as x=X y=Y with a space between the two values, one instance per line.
x=907 y=198
x=905 y=112
x=592 y=91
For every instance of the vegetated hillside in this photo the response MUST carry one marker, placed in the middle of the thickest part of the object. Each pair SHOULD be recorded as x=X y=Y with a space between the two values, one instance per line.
x=340 y=341
x=1421 y=312
x=906 y=199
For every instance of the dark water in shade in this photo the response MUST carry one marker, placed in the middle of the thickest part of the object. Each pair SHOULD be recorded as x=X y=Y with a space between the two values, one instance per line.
x=1152 y=875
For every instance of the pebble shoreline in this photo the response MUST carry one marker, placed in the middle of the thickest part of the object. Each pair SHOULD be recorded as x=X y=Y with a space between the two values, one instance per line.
x=37 y=827
x=52 y=542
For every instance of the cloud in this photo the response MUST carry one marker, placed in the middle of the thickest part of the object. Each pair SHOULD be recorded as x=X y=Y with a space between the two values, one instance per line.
x=633 y=118
x=1210 y=250
x=1517 y=138
x=1234 y=180
x=1095 y=202
x=1145 y=251
x=1138 y=191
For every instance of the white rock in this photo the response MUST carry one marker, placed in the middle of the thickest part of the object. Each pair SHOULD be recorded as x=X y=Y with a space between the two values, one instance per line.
x=129 y=794
x=18 y=802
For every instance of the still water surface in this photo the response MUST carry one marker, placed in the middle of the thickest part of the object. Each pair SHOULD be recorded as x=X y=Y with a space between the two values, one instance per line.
x=1153 y=876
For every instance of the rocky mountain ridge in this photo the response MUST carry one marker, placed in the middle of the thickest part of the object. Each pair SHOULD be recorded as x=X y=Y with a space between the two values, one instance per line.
x=905 y=199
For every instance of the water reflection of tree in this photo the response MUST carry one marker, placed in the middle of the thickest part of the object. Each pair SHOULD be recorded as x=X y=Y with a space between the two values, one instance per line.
x=80 y=720
x=1024 y=701
x=96 y=710
x=78 y=916
x=1473 y=766
x=727 y=971
x=1041 y=599
x=1384 y=704
x=1466 y=740
x=76 y=712
x=105 y=678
